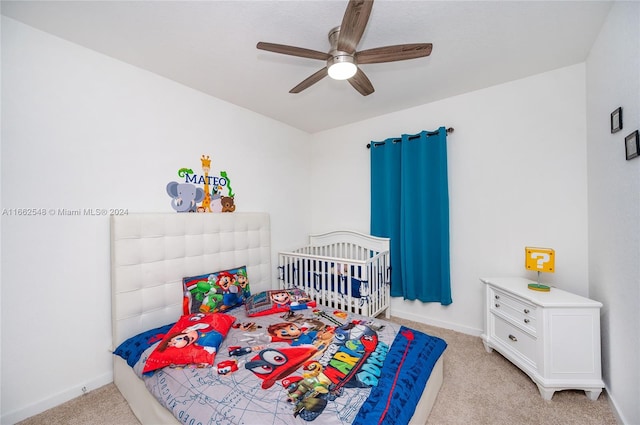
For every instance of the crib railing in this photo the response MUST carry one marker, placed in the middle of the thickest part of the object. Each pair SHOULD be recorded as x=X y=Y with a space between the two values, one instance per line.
x=340 y=276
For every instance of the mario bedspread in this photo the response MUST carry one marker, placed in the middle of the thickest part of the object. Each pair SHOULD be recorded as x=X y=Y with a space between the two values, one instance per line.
x=325 y=367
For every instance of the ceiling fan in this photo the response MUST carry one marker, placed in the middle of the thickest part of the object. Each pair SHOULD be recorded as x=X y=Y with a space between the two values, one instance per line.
x=343 y=59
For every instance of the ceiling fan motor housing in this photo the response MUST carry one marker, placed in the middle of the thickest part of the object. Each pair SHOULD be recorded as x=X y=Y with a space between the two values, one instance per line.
x=341 y=65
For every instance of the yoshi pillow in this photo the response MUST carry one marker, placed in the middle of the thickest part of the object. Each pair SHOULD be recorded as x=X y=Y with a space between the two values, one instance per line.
x=215 y=292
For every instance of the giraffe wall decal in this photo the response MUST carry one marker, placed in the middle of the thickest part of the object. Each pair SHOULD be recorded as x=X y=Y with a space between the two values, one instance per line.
x=206 y=167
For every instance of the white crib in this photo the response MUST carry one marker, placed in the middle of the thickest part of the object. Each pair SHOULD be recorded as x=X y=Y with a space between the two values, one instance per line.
x=345 y=270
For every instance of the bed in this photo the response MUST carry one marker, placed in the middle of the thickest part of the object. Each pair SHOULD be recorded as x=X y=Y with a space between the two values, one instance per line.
x=151 y=254
x=343 y=269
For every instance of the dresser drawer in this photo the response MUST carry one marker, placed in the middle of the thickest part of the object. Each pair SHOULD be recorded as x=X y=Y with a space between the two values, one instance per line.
x=515 y=338
x=515 y=310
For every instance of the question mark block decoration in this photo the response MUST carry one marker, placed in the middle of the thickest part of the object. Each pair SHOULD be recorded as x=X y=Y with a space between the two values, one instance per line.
x=540 y=259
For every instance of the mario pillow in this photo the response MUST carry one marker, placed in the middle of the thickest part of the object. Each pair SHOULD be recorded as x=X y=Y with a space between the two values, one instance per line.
x=192 y=341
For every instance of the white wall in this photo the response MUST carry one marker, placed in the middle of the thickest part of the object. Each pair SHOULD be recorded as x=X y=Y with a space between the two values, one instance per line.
x=81 y=130
x=517 y=177
x=613 y=80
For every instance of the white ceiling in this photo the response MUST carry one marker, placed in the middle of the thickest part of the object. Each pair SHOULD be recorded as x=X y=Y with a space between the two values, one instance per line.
x=211 y=47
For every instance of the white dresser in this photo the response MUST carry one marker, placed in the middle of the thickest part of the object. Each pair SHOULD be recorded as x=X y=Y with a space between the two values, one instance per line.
x=554 y=337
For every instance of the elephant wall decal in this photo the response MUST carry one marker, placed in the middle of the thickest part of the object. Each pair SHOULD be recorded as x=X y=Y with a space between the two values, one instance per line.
x=184 y=196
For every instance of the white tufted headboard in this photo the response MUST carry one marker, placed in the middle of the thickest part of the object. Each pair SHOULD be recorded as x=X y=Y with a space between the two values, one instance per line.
x=151 y=253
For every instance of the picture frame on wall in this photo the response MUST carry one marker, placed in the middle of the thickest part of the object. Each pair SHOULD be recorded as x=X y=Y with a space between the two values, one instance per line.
x=632 y=145
x=616 y=120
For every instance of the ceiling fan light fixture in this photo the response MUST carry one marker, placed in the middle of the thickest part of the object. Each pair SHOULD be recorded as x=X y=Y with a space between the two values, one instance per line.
x=341 y=67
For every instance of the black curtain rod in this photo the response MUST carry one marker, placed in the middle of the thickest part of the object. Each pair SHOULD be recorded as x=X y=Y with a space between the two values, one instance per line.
x=431 y=133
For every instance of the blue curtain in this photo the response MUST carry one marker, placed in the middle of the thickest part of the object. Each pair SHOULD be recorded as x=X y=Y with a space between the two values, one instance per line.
x=410 y=205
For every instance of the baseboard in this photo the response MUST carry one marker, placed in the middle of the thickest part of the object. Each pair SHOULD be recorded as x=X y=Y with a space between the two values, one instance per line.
x=12 y=417
x=614 y=408
x=438 y=323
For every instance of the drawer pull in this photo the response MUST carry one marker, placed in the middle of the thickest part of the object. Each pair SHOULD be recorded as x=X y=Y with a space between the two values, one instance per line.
x=513 y=338
x=497 y=305
x=526 y=320
x=497 y=297
x=526 y=311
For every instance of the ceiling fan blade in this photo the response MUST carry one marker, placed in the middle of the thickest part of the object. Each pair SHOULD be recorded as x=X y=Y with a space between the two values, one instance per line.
x=361 y=83
x=293 y=51
x=353 y=24
x=399 y=52
x=309 y=81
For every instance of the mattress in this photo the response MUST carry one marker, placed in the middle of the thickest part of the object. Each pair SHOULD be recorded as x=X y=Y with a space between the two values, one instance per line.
x=150 y=412
x=203 y=395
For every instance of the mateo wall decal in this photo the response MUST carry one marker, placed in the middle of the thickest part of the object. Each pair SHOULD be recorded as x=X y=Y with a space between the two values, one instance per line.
x=188 y=196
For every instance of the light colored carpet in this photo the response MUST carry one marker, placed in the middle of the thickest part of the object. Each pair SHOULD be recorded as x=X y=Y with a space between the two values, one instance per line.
x=479 y=388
